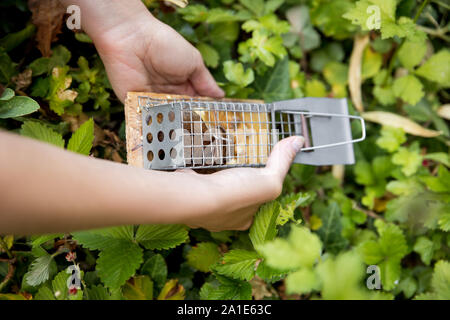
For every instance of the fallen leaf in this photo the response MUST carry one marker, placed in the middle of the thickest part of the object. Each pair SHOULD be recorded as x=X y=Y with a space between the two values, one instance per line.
x=47 y=16
x=394 y=120
x=259 y=289
x=354 y=74
x=444 y=111
x=179 y=3
x=22 y=80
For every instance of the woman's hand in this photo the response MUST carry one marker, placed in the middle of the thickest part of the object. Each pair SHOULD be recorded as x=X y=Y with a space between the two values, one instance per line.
x=140 y=53
x=234 y=195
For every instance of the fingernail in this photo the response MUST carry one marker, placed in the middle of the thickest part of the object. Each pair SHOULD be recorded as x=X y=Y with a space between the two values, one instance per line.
x=297 y=143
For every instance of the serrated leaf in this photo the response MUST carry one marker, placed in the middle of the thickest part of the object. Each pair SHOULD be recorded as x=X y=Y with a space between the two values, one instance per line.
x=424 y=247
x=230 y=290
x=408 y=88
x=82 y=139
x=303 y=281
x=436 y=68
x=138 y=288
x=236 y=74
x=100 y=239
x=331 y=230
x=264 y=225
x=202 y=256
x=118 y=262
x=391 y=138
x=301 y=249
x=44 y=293
x=41 y=132
x=238 y=264
x=41 y=269
x=156 y=269
x=410 y=160
x=161 y=236
x=209 y=54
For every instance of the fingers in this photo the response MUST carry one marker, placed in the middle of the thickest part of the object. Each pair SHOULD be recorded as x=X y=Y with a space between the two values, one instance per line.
x=283 y=154
x=203 y=82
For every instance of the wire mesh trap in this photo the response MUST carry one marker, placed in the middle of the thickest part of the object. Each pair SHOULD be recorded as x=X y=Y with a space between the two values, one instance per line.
x=199 y=134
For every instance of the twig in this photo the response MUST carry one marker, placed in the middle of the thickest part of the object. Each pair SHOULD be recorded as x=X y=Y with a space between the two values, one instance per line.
x=9 y=275
x=368 y=212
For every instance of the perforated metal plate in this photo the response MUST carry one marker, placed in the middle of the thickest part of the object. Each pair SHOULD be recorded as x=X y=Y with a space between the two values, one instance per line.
x=162 y=136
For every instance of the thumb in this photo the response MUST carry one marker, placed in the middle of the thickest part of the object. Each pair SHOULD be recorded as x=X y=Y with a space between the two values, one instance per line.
x=203 y=82
x=283 y=154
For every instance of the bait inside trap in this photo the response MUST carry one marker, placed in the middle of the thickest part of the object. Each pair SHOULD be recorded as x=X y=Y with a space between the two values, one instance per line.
x=184 y=132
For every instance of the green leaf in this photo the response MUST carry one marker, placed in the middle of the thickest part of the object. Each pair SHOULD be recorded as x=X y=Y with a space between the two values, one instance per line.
x=238 y=264
x=440 y=283
x=341 y=277
x=409 y=159
x=41 y=132
x=425 y=248
x=209 y=54
x=236 y=74
x=8 y=69
x=301 y=249
x=156 y=269
x=315 y=88
x=203 y=256
x=331 y=230
x=45 y=293
x=161 y=236
x=303 y=281
x=328 y=16
x=17 y=107
x=100 y=239
x=118 y=262
x=386 y=252
x=411 y=53
x=41 y=269
x=391 y=138
x=408 y=88
x=441 y=157
x=371 y=64
x=12 y=40
x=227 y=289
x=436 y=68
x=138 y=288
x=82 y=139
x=275 y=85
x=8 y=94
x=264 y=225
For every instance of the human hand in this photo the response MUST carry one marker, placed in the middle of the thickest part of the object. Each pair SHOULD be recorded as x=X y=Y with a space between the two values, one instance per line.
x=144 y=54
x=236 y=194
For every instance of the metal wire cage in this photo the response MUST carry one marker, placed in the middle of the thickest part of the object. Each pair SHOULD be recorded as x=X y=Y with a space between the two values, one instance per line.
x=214 y=134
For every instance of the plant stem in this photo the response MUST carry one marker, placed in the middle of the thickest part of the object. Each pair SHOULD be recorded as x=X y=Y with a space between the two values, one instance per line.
x=419 y=12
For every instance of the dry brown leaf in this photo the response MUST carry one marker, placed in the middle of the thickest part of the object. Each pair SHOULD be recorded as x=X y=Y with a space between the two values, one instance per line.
x=260 y=290
x=48 y=18
x=444 y=111
x=394 y=120
x=354 y=74
x=179 y=3
x=22 y=80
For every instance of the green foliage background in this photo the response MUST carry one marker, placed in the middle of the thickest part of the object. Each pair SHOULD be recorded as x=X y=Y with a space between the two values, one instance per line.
x=391 y=209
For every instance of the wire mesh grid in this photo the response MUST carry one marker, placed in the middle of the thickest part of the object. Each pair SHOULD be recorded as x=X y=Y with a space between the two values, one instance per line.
x=219 y=134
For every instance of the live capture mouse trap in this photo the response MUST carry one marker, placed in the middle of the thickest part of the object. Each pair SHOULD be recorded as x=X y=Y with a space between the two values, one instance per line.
x=167 y=132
